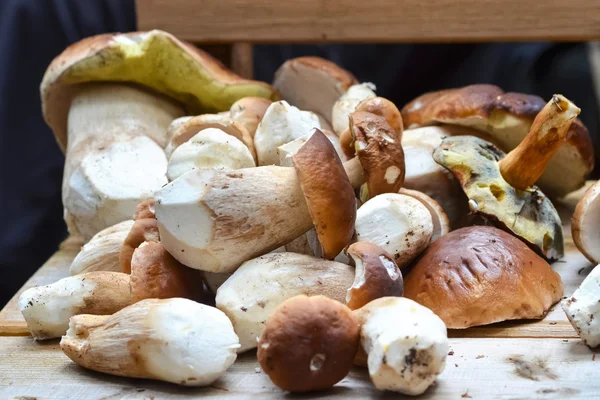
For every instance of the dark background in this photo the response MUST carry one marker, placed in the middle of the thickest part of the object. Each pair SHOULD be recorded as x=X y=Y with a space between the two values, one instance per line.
x=33 y=32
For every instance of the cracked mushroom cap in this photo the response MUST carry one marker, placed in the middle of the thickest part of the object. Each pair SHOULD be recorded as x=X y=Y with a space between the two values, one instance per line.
x=507 y=117
x=249 y=111
x=142 y=230
x=299 y=79
x=154 y=59
x=481 y=275
x=380 y=153
x=308 y=343
x=585 y=223
x=377 y=275
x=529 y=214
x=329 y=196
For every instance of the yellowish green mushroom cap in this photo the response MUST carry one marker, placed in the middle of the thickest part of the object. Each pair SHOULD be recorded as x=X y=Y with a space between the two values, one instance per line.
x=154 y=59
x=528 y=214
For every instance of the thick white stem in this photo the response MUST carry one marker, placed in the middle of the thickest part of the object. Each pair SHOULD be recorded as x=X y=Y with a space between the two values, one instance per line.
x=115 y=154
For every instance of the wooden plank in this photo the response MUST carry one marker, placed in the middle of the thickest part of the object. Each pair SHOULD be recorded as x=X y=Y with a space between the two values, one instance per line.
x=372 y=21
x=242 y=59
x=479 y=368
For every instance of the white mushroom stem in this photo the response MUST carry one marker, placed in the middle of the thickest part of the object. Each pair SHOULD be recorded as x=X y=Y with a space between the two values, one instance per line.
x=114 y=157
x=583 y=309
x=214 y=220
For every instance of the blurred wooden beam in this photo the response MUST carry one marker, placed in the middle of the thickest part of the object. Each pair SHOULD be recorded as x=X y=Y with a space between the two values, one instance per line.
x=242 y=60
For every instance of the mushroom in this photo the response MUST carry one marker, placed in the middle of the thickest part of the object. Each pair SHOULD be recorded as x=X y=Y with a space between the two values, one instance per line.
x=214 y=220
x=47 y=309
x=584 y=224
x=145 y=209
x=508 y=118
x=255 y=290
x=308 y=344
x=399 y=224
x=377 y=275
x=174 y=340
x=156 y=274
x=209 y=148
x=481 y=275
x=194 y=125
x=441 y=223
x=101 y=253
x=347 y=104
x=501 y=187
x=281 y=124
x=113 y=133
x=406 y=344
x=143 y=230
x=299 y=79
x=583 y=309
x=249 y=111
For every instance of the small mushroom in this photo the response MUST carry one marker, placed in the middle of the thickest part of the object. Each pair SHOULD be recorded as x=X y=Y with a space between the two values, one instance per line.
x=377 y=275
x=101 y=253
x=299 y=79
x=145 y=209
x=281 y=124
x=173 y=340
x=143 y=230
x=249 y=111
x=500 y=187
x=583 y=309
x=260 y=285
x=47 y=309
x=480 y=275
x=399 y=224
x=441 y=223
x=508 y=118
x=585 y=222
x=308 y=343
x=406 y=344
x=209 y=148
x=347 y=104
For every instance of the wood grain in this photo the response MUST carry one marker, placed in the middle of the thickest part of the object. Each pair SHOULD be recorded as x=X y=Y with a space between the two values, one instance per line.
x=480 y=368
x=372 y=21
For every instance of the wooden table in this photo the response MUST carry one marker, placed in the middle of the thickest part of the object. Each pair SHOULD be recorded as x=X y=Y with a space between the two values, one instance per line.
x=533 y=360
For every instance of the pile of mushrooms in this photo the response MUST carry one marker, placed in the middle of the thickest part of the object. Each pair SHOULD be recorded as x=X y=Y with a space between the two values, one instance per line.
x=310 y=219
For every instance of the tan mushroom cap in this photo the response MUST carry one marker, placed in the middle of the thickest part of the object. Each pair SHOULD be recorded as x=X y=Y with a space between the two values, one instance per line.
x=145 y=209
x=377 y=275
x=155 y=274
x=508 y=118
x=329 y=196
x=309 y=343
x=154 y=59
x=441 y=223
x=380 y=153
x=143 y=230
x=198 y=123
x=299 y=79
x=481 y=275
x=249 y=111
x=585 y=224
x=386 y=109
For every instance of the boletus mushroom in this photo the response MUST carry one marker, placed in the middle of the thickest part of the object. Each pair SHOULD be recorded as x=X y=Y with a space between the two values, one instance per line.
x=583 y=309
x=109 y=100
x=501 y=188
x=308 y=343
x=480 y=275
x=508 y=118
x=585 y=223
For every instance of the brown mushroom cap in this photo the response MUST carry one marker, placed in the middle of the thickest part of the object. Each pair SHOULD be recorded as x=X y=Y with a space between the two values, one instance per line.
x=143 y=230
x=144 y=210
x=249 y=111
x=309 y=343
x=155 y=59
x=377 y=275
x=299 y=79
x=441 y=223
x=379 y=152
x=508 y=118
x=328 y=193
x=386 y=109
x=155 y=274
x=482 y=275
x=585 y=224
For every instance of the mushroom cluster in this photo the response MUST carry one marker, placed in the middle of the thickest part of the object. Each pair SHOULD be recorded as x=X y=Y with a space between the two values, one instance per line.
x=311 y=219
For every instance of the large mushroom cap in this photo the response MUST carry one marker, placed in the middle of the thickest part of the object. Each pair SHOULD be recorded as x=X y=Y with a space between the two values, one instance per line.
x=507 y=117
x=529 y=214
x=585 y=224
x=155 y=59
x=481 y=275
